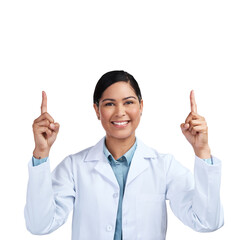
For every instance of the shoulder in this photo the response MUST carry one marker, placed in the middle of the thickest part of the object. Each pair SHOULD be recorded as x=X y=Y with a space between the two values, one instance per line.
x=81 y=154
x=89 y=154
x=164 y=160
x=167 y=163
x=149 y=152
x=73 y=161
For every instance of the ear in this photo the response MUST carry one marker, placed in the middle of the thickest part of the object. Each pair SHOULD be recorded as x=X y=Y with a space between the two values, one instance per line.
x=141 y=106
x=96 y=108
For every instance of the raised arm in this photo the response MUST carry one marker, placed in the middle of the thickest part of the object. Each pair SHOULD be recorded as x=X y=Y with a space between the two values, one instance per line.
x=50 y=197
x=195 y=199
x=196 y=131
x=45 y=131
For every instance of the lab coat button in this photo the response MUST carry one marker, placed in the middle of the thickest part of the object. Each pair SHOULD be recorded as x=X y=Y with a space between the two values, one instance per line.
x=115 y=195
x=109 y=228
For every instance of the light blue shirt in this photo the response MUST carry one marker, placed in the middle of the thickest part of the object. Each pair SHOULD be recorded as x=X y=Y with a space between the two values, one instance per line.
x=120 y=168
x=37 y=161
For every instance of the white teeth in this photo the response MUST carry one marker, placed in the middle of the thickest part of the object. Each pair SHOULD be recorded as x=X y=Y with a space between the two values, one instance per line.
x=120 y=123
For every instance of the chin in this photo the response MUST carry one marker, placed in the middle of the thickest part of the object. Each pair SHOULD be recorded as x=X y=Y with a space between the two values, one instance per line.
x=121 y=136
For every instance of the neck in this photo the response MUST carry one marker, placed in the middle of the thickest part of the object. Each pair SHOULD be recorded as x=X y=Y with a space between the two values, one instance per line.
x=118 y=147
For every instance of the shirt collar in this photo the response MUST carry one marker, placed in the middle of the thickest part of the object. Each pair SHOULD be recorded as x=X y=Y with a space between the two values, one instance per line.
x=128 y=155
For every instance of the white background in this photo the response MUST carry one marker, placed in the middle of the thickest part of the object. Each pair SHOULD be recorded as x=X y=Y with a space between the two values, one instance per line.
x=170 y=47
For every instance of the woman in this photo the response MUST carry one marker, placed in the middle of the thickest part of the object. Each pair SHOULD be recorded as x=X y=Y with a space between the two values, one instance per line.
x=118 y=188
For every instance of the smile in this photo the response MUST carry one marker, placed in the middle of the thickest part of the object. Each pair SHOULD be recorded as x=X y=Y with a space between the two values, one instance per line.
x=120 y=123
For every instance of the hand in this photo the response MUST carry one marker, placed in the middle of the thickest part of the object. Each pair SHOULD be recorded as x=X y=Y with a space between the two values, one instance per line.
x=45 y=131
x=196 y=131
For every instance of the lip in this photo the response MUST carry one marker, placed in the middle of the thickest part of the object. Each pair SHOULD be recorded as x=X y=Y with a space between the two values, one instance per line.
x=120 y=124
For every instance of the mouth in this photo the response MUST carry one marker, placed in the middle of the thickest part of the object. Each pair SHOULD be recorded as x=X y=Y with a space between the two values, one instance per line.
x=120 y=123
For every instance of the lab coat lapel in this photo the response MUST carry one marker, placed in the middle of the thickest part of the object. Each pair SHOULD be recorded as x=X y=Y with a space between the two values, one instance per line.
x=140 y=161
x=102 y=166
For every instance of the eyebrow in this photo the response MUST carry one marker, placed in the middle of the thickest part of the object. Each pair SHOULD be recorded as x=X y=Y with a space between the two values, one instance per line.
x=113 y=100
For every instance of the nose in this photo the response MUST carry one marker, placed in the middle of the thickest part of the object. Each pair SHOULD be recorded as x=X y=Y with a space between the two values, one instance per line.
x=120 y=111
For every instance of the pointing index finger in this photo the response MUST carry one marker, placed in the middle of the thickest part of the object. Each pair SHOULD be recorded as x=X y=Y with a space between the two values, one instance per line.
x=44 y=103
x=193 y=102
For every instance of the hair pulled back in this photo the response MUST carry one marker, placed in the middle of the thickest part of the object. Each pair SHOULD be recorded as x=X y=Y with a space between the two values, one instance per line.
x=112 y=77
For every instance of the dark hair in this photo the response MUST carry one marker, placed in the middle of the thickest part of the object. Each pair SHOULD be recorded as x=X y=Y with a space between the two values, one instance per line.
x=112 y=77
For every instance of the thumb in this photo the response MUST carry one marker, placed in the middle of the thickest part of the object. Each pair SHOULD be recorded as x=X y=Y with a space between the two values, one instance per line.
x=186 y=132
x=55 y=127
x=184 y=127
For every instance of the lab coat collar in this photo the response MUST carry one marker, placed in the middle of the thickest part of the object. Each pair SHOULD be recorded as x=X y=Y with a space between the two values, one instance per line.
x=139 y=164
x=96 y=152
x=140 y=161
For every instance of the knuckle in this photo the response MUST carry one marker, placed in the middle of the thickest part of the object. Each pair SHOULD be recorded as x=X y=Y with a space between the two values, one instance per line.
x=195 y=115
x=35 y=120
x=47 y=116
x=50 y=118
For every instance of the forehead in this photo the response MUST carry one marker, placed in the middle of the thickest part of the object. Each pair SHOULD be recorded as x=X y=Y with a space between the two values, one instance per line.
x=119 y=90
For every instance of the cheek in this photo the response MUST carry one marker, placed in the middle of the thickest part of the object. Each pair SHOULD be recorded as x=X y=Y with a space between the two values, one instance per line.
x=135 y=113
x=105 y=115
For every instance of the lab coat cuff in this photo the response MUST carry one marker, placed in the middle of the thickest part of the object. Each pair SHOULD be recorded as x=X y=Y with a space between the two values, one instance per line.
x=215 y=161
x=214 y=168
x=39 y=168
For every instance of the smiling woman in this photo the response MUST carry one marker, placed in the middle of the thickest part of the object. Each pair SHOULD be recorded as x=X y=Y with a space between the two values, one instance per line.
x=118 y=104
x=120 y=185
x=119 y=110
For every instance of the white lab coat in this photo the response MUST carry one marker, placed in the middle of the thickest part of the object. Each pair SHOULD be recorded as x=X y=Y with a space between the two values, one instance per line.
x=85 y=182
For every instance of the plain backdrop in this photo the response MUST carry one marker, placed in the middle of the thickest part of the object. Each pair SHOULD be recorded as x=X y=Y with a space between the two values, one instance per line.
x=170 y=47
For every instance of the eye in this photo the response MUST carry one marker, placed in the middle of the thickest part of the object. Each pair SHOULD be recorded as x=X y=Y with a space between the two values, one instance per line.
x=109 y=104
x=129 y=102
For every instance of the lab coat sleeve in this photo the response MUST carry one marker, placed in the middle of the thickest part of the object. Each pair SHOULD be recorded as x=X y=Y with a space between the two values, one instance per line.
x=195 y=200
x=50 y=197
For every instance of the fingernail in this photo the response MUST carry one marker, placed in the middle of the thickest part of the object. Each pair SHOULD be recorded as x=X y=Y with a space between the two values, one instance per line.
x=52 y=125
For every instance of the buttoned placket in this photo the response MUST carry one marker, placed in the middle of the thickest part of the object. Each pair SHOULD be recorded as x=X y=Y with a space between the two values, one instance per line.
x=118 y=169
